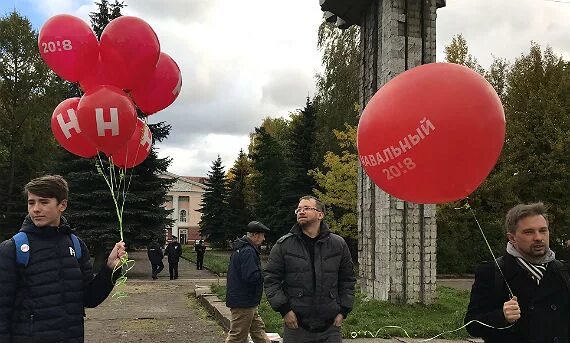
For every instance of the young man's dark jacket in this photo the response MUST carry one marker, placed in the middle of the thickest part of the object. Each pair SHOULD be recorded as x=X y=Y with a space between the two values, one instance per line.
x=154 y=253
x=244 y=279
x=316 y=292
x=45 y=301
x=174 y=251
x=545 y=313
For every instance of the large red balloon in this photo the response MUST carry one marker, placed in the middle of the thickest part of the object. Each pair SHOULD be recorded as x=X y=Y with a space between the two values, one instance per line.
x=68 y=46
x=137 y=148
x=161 y=89
x=129 y=49
x=67 y=132
x=432 y=134
x=99 y=75
x=108 y=117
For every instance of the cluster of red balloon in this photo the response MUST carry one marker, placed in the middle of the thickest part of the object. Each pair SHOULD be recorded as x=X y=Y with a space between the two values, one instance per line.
x=432 y=134
x=122 y=71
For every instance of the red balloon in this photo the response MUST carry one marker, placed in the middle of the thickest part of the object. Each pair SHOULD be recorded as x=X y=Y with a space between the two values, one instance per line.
x=137 y=148
x=108 y=117
x=129 y=49
x=161 y=89
x=432 y=134
x=99 y=75
x=68 y=46
x=65 y=128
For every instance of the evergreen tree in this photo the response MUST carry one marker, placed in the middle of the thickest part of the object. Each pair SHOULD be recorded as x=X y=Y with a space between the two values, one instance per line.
x=239 y=214
x=29 y=92
x=105 y=14
x=213 y=223
x=269 y=167
x=297 y=181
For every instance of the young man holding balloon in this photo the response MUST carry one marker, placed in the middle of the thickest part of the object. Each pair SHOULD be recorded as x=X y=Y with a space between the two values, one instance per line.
x=527 y=299
x=46 y=276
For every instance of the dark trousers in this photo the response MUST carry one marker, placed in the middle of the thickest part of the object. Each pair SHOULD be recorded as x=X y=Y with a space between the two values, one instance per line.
x=200 y=261
x=157 y=268
x=300 y=335
x=173 y=270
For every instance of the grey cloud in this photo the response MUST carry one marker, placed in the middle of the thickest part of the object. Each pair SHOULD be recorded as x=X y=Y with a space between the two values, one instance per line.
x=288 y=88
x=490 y=32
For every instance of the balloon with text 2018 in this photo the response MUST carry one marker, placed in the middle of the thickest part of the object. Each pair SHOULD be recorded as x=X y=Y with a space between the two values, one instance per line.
x=432 y=134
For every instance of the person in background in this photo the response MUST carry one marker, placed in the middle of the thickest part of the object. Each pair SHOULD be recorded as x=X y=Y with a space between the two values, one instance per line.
x=200 y=249
x=173 y=251
x=155 y=255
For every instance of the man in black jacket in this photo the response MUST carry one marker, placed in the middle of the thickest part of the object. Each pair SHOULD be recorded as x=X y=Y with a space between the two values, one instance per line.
x=155 y=256
x=245 y=286
x=173 y=251
x=44 y=299
x=200 y=249
x=533 y=303
x=309 y=278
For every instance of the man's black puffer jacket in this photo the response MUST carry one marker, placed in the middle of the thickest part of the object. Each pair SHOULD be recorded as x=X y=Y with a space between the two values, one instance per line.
x=316 y=292
x=44 y=302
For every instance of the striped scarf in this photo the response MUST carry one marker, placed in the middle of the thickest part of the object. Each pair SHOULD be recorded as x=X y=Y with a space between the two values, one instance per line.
x=536 y=268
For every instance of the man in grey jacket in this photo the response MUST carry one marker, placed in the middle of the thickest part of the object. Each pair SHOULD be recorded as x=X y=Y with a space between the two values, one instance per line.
x=309 y=278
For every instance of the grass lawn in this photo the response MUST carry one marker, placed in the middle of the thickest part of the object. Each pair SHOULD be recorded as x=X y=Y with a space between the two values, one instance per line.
x=215 y=260
x=368 y=317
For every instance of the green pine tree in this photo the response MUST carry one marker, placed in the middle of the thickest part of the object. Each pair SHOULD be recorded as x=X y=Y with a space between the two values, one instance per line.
x=239 y=214
x=269 y=167
x=297 y=181
x=213 y=222
x=105 y=14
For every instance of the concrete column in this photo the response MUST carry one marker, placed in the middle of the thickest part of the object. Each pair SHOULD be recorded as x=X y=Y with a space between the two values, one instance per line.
x=397 y=239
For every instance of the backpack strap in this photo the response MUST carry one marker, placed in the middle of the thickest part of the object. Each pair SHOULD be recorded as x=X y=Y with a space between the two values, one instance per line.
x=76 y=246
x=22 y=244
x=22 y=248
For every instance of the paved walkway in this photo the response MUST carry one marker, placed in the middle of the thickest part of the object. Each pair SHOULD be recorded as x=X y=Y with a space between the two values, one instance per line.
x=166 y=311
x=155 y=311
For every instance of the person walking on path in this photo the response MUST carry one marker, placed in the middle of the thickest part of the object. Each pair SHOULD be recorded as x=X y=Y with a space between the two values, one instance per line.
x=173 y=251
x=309 y=278
x=46 y=275
x=537 y=310
x=155 y=256
x=200 y=249
x=245 y=286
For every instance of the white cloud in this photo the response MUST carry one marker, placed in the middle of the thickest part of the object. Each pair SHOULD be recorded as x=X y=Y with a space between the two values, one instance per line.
x=244 y=60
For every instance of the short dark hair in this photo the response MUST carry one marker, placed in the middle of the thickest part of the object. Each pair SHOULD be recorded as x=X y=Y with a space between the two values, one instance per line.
x=48 y=186
x=522 y=211
x=318 y=204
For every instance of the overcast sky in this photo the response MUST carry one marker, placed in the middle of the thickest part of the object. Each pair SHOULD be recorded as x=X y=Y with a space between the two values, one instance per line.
x=242 y=61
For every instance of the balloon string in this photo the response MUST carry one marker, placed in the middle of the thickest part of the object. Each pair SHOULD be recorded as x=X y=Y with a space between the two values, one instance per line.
x=355 y=334
x=116 y=188
x=489 y=247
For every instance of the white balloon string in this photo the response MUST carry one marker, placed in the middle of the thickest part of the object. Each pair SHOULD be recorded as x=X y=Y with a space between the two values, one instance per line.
x=490 y=250
x=364 y=333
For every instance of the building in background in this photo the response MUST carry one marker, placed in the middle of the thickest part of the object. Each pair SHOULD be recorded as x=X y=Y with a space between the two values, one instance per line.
x=185 y=199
